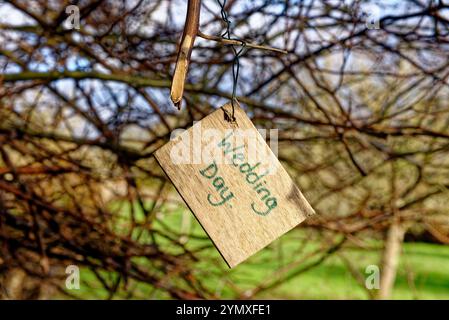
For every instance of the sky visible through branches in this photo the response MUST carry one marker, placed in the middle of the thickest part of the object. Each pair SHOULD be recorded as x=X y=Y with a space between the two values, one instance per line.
x=361 y=110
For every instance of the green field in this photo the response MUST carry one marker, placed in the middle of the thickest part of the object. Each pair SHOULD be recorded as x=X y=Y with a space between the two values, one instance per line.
x=423 y=271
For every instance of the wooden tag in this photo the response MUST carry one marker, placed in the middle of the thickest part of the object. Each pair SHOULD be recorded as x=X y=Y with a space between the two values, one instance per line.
x=233 y=183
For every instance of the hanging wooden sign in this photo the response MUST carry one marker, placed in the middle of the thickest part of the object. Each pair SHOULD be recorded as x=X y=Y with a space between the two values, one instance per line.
x=233 y=183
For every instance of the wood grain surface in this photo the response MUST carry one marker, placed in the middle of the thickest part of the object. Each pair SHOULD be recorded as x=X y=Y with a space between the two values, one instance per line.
x=237 y=189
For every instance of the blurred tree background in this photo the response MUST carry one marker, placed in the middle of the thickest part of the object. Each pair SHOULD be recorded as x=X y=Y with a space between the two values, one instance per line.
x=360 y=101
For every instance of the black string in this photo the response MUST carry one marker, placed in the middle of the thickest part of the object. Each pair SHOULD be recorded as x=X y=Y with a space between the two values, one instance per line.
x=237 y=54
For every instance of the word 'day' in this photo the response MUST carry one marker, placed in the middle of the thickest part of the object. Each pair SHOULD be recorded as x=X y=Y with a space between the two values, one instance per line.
x=233 y=183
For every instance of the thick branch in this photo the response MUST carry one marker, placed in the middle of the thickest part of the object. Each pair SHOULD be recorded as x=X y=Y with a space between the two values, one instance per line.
x=185 y=50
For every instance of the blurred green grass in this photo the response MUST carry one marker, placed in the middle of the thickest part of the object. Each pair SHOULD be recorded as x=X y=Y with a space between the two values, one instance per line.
x=423 y=272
